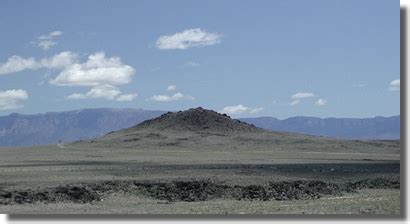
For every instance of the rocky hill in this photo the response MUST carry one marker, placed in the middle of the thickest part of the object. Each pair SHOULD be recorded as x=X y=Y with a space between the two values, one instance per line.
x=206 y=130
x=196 y=119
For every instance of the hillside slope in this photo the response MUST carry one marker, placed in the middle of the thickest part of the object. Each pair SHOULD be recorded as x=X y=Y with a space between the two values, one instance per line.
x=199 y=129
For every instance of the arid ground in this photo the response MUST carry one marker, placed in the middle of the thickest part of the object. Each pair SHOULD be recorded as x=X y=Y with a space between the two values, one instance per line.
x=202 y=162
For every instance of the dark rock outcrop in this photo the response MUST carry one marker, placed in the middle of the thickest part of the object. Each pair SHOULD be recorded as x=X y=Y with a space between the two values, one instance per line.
x=196 y=119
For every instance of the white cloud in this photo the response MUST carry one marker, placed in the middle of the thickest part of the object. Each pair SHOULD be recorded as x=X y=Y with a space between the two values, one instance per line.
x=17 y=64
x=255 y=110
x=295 y=102
x=59 y=61
x=240 y=109
x=394 y=85
x=56 y=33
x=77 y=96
x=187 y=39
x=107 y=92
x=127 y=97
x=99 y=72
x=96 y=71
x=46 y=44
x=302 y=95
x=172 y=88
x=298 y=97
x=50 y=35
x=169 y=98
x=12 y=99
x=320 y=102
x=172 y=97
x=49 y=40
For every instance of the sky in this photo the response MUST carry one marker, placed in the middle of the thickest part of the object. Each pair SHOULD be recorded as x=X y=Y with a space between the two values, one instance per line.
x=280 y=58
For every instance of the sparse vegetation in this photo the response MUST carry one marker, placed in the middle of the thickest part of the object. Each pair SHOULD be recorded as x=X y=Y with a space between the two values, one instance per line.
x=191 y=191
x=205 y=159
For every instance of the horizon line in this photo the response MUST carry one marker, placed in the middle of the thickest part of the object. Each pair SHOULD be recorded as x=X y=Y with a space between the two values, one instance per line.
x=130 y=108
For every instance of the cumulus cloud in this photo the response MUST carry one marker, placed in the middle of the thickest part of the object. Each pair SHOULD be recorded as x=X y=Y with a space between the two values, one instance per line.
x=299 y=97
x=240 y=109
x=101 y=73
x=172 y=97
x=49 y=40
x=12 y=99
x=96 y=71
x=320 y=102
x=172 y=88
x=394 y=85
x=59 y=61
x=187 y=39
x=17 y=64
x=107 y=92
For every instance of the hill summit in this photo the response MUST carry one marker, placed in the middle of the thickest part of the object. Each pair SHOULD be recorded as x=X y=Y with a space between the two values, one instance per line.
x=196 y=119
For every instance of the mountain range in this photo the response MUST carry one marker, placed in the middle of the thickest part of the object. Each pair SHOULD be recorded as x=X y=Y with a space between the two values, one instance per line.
x=50 y=128
x=345 y=128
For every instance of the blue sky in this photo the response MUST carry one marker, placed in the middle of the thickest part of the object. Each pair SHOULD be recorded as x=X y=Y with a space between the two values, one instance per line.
x=247 y=58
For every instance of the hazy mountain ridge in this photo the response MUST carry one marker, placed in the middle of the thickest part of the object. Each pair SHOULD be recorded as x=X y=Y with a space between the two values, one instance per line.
x=346 y=128
x=48 y=128
x=25 y=130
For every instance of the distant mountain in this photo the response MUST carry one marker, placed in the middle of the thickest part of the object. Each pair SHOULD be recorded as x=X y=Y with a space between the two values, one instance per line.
x=26 y=130
x=49 y=128
x=345 y=128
